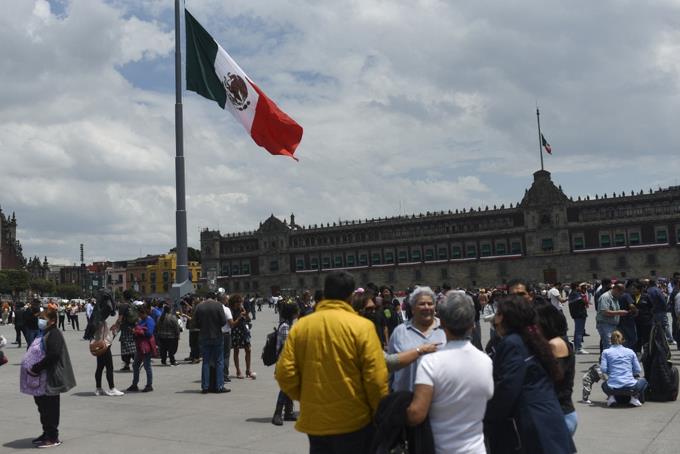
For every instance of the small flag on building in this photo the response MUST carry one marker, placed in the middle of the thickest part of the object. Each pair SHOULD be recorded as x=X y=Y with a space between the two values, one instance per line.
x=212 y=73
x=546 y=145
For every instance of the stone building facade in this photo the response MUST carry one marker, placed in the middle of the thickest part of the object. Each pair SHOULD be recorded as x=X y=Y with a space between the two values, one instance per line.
x=11 y=254
x=547 y=237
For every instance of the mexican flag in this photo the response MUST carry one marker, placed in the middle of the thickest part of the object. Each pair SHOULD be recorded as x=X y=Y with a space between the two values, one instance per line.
x=212 y=73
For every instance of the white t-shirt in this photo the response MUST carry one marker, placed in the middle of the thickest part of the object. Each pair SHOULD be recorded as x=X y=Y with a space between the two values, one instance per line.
x=227 y=327
x=555 y=298
x=462 y=380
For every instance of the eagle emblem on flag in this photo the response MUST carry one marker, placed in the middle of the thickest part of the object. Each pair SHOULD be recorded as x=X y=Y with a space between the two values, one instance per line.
x=237 y=91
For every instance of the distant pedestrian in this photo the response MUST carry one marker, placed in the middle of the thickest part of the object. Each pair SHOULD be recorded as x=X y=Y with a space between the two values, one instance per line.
x=73 y=313
x=61 y=312
x=19 y=317
x=289 y=312
x=145 y=343
x=127 y=319
x=579 y=313
x=608 y=314
x=240 y=334
x=102 y=337
x=209 y=318
x=168 y=333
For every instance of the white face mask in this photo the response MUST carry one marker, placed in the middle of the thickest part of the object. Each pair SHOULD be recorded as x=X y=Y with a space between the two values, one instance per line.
x=42 y=324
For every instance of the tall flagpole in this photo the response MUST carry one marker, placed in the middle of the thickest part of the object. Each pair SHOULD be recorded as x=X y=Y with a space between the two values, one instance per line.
x=540 y=137
x=181 y=287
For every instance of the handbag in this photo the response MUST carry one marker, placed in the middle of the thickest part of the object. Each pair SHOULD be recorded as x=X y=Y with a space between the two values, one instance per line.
x=103 y=338
x=29 y=383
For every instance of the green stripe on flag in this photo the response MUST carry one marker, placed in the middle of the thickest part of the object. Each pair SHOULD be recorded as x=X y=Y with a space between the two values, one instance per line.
x=200 y=63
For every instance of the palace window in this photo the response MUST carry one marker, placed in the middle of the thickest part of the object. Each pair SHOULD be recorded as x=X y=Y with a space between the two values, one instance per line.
x=337 y=261
x=442 y=253
x=273 y=266
x=429 y=254
x=350 y=260
x=547 y=244
x=485 y=250
x=579 y=242
x=471 y=251
x=389 y=257
x=456 y=252
x=605 y=240
x=415 y=255
x=619 y=239
x=225 y=270
x=300 y=264
x=375 y=258
x=235 y=269
x=314 y=263
x=325 y=262
x=245 y=268
x=363 y=259
x=634 y=238
x=500 y=249
x=516 y=247
x=661 y=235
x=403 y=256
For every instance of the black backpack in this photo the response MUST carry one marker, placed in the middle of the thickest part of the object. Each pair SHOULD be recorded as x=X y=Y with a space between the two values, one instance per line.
x=269 y=353
x=662 y=377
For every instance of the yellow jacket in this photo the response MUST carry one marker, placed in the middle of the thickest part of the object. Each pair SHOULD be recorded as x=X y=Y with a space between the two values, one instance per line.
x=333 y=363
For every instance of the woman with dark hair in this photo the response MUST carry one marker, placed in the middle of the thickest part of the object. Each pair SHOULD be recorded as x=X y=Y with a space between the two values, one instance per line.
x=59 y=378
x=524 y=415
x=143 y=332
x=167 y=331
x=554 y=328
x=240 y=334
x=289 y=312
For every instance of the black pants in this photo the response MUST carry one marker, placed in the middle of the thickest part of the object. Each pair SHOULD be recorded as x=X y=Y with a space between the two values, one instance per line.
x=105 y=360
x=358 y=442
x=75 y=323
x=19 y=330
x=227 y=353
x=167 y=348
x=193 y=345
x=48 y=407
x=61 y=322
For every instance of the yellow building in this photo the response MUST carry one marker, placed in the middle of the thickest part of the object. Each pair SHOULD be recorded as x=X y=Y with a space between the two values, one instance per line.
x=159 y=276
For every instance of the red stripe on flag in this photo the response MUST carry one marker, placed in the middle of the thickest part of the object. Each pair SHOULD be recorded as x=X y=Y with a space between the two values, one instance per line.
x=273 y=129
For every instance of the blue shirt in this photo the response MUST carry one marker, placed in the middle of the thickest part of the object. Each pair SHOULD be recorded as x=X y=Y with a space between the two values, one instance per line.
x=407 y=337
x=620 y=364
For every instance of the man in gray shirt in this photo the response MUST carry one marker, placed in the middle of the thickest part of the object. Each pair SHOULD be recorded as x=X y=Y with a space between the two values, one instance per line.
x=608 y=313
x=209 y=318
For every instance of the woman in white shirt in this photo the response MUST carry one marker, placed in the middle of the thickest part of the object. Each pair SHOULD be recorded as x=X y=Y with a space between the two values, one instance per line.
x=454 y=384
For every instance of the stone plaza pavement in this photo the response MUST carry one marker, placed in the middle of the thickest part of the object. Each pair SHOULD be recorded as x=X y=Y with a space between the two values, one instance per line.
x=176 y=418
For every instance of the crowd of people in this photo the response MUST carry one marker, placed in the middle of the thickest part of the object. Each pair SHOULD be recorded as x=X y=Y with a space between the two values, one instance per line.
x=373 y=371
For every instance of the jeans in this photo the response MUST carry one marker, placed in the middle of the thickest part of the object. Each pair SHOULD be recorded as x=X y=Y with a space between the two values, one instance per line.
x=19 y=330
x=662 y=317
x=579 y=330
x=139 y=358
x=353 y=442
x=212 y=351
x=30 y=335
x=638 y=389
x=48 y=407
x=605 y=331
x=61 y=322
x=227 y=352
x=571 y=419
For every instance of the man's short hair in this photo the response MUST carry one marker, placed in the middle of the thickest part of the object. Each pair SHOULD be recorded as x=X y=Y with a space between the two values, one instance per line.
x=518 y=281
x=457 y=313
x=339 y=286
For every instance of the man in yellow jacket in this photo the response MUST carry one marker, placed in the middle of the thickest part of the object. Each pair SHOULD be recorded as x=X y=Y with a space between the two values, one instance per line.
x=333 y=363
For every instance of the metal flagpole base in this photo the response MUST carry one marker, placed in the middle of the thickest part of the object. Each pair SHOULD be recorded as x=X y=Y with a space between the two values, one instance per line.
x=179 y=290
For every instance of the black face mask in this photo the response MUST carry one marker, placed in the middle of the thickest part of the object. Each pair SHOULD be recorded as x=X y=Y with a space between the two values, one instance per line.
x=372 y=316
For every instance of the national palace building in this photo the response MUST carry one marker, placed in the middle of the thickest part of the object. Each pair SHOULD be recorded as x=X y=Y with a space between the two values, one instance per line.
x=547 y=237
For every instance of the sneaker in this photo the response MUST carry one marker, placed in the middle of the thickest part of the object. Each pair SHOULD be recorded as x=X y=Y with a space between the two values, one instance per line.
x=223 y=390
x=113 y=392
x=635 y=402
x=174 y=363
x=611 y=401
x=205 y=391
x=98 y=392
x=49 y=444
x=277 y=420
x=147 y=389
x=671 y=342
x=125 y=369
x=132 y=389
x=40 y=439
x=582 y=352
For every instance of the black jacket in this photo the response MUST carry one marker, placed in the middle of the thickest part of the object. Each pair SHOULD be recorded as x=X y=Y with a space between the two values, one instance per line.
x=390 y=420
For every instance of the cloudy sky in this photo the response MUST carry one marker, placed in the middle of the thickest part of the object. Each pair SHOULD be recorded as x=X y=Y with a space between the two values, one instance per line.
x=407 y=106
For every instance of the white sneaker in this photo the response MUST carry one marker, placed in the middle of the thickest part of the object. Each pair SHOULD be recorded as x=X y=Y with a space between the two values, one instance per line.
x=635 y=402
x=98 y=392
x=582 y=352
x=611 y=401
x=114 y=392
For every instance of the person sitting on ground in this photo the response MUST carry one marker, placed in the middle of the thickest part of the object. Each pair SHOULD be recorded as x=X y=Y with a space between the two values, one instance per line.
x=621 y=366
